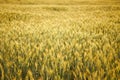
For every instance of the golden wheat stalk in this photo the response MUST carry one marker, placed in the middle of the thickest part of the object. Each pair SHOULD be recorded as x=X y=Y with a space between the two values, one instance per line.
x=2 y=72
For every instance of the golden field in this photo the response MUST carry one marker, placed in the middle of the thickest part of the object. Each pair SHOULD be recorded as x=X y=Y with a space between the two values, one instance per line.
x=59 y=42
x=63 y=2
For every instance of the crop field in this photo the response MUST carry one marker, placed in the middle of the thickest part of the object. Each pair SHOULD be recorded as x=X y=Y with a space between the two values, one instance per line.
x=59 y=42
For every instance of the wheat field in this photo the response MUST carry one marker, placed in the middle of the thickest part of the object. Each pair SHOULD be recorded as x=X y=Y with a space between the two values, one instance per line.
x=59 y=42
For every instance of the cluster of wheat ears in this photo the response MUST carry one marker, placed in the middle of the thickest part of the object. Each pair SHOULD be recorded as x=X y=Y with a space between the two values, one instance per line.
x=59 y=42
